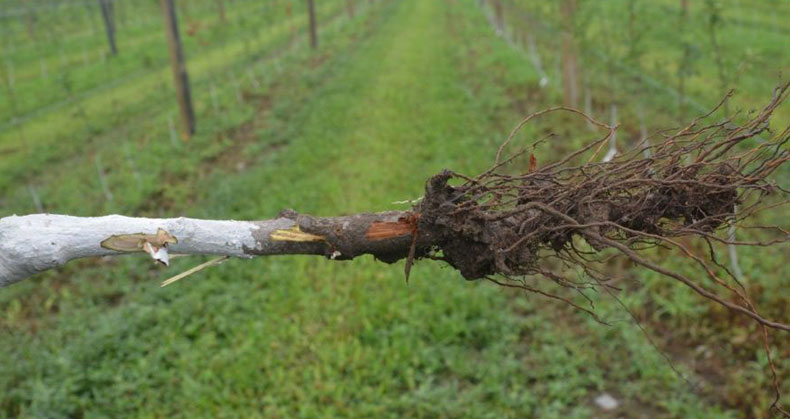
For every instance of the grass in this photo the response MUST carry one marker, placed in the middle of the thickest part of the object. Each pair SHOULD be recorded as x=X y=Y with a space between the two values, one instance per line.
x=399 y=92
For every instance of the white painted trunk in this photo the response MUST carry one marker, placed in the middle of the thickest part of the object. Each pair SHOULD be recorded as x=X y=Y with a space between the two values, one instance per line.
x=34 y=243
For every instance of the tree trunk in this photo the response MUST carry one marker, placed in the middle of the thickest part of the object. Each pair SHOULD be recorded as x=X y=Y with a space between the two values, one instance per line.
x=35 y=243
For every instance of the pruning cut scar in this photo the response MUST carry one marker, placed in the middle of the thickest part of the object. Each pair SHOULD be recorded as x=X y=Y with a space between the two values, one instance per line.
x=138 y=242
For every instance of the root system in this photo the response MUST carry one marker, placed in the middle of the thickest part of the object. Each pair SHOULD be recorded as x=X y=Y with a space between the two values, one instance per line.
x=564 y=221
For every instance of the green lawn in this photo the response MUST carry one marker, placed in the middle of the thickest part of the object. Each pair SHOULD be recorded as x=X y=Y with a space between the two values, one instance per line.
x=393 y=95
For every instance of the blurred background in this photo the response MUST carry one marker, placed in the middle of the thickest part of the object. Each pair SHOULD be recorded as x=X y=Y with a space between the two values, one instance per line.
x=351 y=111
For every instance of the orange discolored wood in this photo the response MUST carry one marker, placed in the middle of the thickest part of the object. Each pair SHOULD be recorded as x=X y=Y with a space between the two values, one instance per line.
x=382 y=230
x=388 y=230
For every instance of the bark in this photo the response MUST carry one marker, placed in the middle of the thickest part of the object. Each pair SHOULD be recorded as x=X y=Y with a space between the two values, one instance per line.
x=35 y=243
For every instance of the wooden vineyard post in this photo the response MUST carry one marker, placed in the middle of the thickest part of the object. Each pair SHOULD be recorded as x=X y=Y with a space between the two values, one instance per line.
x=499 y=17
x=313 y=34
x=570 y=80
x=350 y=8
x=109 y=23
x=684 y=67
x=221 y=7
x=30 y=20
x=178 y=64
